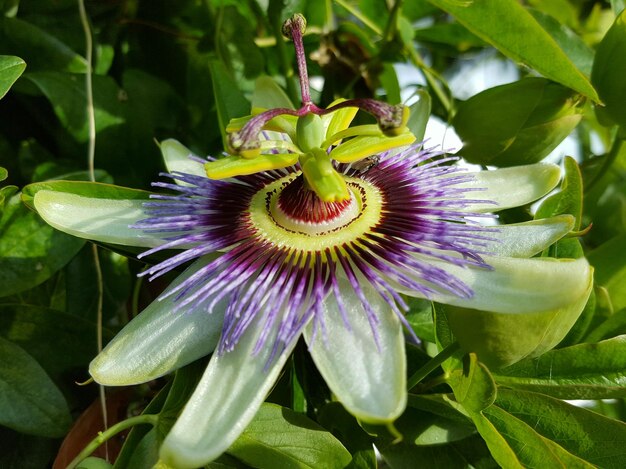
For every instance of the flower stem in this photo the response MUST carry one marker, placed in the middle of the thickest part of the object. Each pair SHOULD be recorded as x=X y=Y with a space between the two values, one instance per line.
x=294 y=28
x=106 y=435
x=433 y=364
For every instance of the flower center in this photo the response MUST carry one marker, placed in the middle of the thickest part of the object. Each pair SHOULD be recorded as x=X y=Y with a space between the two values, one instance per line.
x=287 y=213
x=298 y=208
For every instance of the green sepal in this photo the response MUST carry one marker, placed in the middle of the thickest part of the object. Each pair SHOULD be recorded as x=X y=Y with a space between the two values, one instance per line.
x=569 y=200
x=501 y=339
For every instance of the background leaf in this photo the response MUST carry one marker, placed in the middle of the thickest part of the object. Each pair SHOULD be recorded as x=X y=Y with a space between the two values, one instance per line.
x=30 y=250
x=10 y=70
x=29 y=401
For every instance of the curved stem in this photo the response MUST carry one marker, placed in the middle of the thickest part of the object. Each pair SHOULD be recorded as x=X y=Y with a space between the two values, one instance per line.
x=91 y=159
x=433 y=81
x=391 y=28
x=433 y=364
x=615 y=150
x=108 y=434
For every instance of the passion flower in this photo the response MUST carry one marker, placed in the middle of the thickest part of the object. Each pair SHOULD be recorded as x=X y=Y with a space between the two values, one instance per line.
x=319 y=234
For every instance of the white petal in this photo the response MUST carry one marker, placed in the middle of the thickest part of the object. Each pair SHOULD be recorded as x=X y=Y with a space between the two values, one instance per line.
x=159 y=340
x=530 y=238
x=176 y=158
x=511 y=187
x=369 y=381
x=520 y=285
x=228 y=396
x=105 y=220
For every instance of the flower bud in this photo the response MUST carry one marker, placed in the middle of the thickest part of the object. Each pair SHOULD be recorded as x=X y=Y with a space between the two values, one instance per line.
x=609 y=70
x=518 y=123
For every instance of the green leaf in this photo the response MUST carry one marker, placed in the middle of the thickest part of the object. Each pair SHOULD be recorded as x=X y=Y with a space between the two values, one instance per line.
x=279 y=437
x=470 y=452
x=583 y=433
x=29 y=401
x=268 y=95
x=94 y=463
x=473 y=386
x=451 y=34
x=25 y=451
x=230 y=101
x=583 y=371
x=66 y=93
x=10 y=70
x=39 y=49
x=511 y=29
x=614 y=325
x=183 y=385
x=3 y=174
x=389 y=81
x=499 y=448
x=608 y=72
x=420 y=317
x=424 y=428
x=517 y=123
x=609 y=261
x=530 y=448
x=30 y=250
x=569 y=200
x=573 y=45
x=135 y=438
x=420 y=113
x=81 y=285
x=60 y=342
x=334 y=417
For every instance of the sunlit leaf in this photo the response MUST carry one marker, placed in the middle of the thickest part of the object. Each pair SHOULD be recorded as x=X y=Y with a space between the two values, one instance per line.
x=279 y=437
x=583 y=371
x=511 y=29
x=10 y=70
